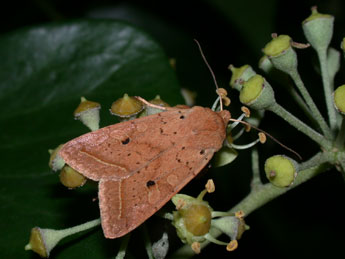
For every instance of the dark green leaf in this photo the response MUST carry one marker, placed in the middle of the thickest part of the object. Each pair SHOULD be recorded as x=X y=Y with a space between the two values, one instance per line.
x=44 y=72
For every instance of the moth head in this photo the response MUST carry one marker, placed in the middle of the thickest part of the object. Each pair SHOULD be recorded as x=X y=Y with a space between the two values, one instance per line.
x=226 y=116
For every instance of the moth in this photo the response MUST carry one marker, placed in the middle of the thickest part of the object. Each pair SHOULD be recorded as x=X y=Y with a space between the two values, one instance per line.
x=142 y=163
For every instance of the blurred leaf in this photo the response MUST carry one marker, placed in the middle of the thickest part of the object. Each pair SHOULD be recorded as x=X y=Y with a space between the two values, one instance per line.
x=44 y=71
x=254 y=19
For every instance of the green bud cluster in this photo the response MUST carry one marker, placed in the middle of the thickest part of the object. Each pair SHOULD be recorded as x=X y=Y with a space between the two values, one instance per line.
x=195 y=220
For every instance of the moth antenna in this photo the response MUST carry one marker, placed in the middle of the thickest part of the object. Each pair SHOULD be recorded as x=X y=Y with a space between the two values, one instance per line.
x=151 y=104
x=270 y=136
x=211 y=71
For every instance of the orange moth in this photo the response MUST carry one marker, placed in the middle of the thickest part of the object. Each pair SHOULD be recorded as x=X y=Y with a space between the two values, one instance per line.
x=141 y=164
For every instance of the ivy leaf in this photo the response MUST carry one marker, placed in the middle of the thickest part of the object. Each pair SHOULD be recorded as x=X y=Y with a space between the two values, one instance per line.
x=44 y=72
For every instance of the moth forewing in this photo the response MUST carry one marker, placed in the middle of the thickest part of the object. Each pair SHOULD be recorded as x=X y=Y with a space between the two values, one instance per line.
x=142 y=163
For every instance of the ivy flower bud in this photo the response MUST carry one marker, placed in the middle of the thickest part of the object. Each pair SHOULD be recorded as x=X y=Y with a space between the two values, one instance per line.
x=281 y=170
x=280 y=52
x=195 y=221
x=56 y=162
x=318 y=29
x=42 y=241
x=126 y=107
x=36 y=243
x=339 y=99
x=257 y=93
x=192 y=220
x=71 y=178
x=88 y=113
x=240 y=75
x=157 y=101
x=232 y=226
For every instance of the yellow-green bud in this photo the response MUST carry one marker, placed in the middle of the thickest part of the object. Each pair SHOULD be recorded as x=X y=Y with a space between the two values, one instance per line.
x=192 y=219
x=280 y=52
x=71 y=178
x=318 y=29
x=88 y=113
x=42 y=241
x=224 y=156
x=277 y=46
x=157 y=101
x=342 y=45
x=197 y=219
x=280 y=170
x=56 y=162
x=339 y=99
x=257 y=93
x=126 y=107
x=36 y=243
x=240 y=75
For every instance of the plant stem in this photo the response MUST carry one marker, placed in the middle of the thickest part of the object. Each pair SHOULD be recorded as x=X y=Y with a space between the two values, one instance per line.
x=299 y=125
x=340 y=140
x=82 y=227
x=123 y=247
x=255 y=168
x=300 y=85
x=300 y=102
x=147 y=241
x=341 y=159
x=322 y=53
x=267 y=192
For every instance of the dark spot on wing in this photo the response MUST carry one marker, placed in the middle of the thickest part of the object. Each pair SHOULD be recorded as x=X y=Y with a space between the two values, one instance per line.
x=126 y=141
x=150 y=183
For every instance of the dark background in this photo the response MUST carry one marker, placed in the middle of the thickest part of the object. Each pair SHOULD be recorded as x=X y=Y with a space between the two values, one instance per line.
x=306 y=222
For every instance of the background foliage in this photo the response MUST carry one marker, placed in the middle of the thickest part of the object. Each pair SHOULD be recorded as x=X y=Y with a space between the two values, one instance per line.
x=80 y=48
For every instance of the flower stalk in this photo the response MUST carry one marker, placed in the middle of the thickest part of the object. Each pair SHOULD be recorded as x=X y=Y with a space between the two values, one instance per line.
x=267 y=192
x=299 y=125
x=315 y=111
x=322 y=54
